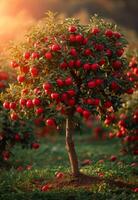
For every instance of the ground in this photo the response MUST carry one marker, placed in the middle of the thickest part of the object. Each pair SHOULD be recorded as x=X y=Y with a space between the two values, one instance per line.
x=104 y=179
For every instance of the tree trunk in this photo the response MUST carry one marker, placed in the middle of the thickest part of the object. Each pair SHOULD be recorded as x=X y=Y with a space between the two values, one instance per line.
x=71 y=149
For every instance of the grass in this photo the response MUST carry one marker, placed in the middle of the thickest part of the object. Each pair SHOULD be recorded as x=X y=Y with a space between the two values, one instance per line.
x=20 y=183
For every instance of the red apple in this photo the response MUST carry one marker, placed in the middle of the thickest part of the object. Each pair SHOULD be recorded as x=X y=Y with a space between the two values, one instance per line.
x=86 y=66
x=95 y=66
x=119 y=52
x=72 y=29
x=29 y=103
x=36 y=101
x=86 y=162
x=39 y=111
x=28 y=167
x=117 y=64
x=22 y=102
x=135 y=118
x=85 y=41
x=107 y=104
x=37 y=91
x=48 y=55
x=14 y=64
x=98 y=82
x=14 y=116
x=101 y=161
x=55 y=95
x=114 y=86
x=17 y=137
x=46 y=187
x=2 y=85
x=135 y=70
x=24 y=69
x=111 y=135
x=13 y=105
x=71 y=102
x=108 y=121
x=20 y=78
x=109 y=33
x=60 y=82
x=117 y=35
x=119 y=134
x=71 y=63
x=47 y=86
x=6 y=155
x=99 y=47
x=86 y=114
x=79 y=110
x=130 y=91
x=95 y=31
x=90 y=101
x=78 y=63
x=87 y=52
x=109 y=52
x=55 y=47
x=64 y=97
x=113 y=158
x=24 y=91
x=72 y=38
x=134 y=164
x=59 y=175
x=122 y=123
x=102 y=62
x=6 y=105
x=35 y=55
x=35 y=145
x=68 y=81
x=50 y=122
x=79 y=38
x=71 y=92
x=91 y=84
x=63 y=65
x=34 y=71
x=73 y=52
x=27 y=55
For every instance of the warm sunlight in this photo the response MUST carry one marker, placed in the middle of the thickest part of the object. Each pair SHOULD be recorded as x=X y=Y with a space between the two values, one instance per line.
x=13 y=20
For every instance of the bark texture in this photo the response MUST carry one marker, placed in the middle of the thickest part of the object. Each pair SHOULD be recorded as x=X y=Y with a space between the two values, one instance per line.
x=70 y=148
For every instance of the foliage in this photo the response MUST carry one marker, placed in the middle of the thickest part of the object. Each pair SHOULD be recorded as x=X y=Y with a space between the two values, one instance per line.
x=69 y=68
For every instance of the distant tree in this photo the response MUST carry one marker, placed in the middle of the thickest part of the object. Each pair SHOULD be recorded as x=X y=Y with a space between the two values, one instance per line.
x=128 y=119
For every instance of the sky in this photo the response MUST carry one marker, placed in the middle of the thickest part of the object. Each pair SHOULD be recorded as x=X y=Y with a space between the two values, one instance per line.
x=17 y=15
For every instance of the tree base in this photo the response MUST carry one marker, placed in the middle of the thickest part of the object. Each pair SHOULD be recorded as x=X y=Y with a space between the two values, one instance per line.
x=86 y=182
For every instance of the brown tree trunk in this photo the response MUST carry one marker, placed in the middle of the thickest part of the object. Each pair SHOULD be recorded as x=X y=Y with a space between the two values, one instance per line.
x=71 y=149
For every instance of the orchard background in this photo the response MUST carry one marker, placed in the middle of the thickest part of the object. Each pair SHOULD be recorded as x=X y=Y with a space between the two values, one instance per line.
x=68 y=81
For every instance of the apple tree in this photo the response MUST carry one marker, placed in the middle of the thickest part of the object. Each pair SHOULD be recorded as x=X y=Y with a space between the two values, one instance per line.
x=11 y=132
x=127 y=125
x=67 y=70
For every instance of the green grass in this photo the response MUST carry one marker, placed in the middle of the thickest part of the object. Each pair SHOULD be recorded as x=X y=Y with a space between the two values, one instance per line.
x=52 y=157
